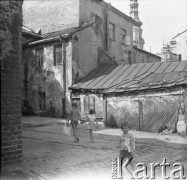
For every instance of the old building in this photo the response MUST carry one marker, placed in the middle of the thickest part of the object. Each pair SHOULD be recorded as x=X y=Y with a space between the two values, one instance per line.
x=147 y=95
x=96 y=30
x=179 y=45
x=115 y=30
x=49 y=69
x=11 y=85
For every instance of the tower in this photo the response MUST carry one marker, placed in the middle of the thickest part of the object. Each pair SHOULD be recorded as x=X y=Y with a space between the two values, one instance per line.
x=138 y=41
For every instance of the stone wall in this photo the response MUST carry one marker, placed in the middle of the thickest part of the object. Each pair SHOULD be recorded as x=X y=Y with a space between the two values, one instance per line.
x=11 y=86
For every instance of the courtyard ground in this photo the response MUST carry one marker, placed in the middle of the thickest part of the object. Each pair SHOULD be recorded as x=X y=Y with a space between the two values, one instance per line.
x=49 y=154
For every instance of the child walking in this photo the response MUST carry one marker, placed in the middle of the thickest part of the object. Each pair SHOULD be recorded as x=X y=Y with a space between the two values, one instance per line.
x=91 y=123
x=127 y=145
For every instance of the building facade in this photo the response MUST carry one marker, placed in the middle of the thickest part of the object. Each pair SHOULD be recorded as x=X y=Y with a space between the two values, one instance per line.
x=113 y=29
x=94 y=28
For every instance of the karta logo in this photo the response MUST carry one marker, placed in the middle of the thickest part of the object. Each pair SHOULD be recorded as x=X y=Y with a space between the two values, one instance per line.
x=120 y=169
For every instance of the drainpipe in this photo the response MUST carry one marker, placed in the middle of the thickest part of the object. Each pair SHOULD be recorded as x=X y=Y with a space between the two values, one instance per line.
x=64 y=77
x=107 y=8
x=105 y=110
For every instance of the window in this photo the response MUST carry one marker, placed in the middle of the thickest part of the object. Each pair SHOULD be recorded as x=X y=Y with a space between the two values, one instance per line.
x=39 y=58
x=123 y=36
x=89 y=103
x=58 y=55
x=112 y=31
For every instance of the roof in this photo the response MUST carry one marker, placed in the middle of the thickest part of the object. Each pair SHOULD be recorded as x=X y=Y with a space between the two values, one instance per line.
x=68 y=31
x=65 y=33
x=134 y=77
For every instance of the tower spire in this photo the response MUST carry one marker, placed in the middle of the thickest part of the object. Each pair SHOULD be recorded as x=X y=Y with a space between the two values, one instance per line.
x=134 y=10
x=138 y=41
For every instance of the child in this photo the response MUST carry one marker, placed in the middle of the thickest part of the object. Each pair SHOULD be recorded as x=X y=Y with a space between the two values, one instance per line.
x=91 y=119
x=74 y=116
x=127 y=144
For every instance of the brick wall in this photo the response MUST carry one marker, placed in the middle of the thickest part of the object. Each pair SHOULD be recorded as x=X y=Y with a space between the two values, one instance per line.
x=10 y=55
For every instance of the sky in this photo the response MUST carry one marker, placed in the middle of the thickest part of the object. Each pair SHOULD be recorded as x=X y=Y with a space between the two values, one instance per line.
x=162 y=20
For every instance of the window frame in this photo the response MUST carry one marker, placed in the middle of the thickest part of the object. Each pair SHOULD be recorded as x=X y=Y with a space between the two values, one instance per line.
x=55 y=54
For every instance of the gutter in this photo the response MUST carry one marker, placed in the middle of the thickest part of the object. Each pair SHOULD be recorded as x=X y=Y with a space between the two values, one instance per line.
x=49 y=39
x=64 y=36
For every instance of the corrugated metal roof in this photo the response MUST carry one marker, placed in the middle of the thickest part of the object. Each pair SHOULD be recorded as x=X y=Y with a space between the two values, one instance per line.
x=142 y=76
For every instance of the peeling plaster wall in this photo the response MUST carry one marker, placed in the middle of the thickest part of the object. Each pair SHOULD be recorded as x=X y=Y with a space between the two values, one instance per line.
x=10 y=56
x=49 y=80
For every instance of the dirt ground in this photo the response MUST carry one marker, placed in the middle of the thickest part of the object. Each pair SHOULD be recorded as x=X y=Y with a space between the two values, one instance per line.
x=50 y=154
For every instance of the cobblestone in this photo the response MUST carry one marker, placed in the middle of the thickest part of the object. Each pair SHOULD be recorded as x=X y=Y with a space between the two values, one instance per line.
x=49 y=154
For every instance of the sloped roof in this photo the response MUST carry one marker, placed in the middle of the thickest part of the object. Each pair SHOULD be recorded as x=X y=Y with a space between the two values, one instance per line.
x=134 y=77
x=68 y=31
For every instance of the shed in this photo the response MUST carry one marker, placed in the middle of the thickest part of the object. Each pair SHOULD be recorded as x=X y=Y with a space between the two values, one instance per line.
x=147 y=95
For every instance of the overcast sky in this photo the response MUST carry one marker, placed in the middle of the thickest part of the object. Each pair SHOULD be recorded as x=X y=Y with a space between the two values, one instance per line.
x=162 y=19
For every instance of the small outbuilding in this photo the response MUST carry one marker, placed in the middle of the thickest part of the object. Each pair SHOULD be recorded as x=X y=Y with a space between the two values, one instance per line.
x=146 y=95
